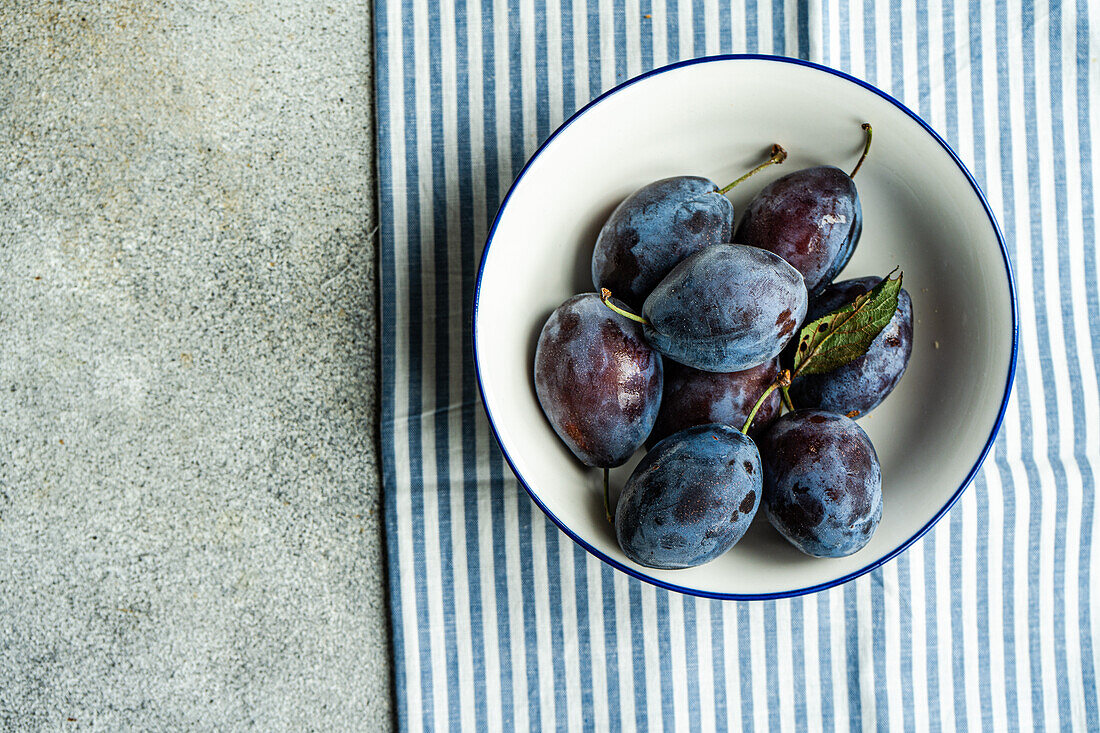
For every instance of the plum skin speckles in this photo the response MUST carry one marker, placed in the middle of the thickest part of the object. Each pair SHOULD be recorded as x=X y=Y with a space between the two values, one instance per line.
x=598 y=382
x=726 y=308
x=690 y=499
x=822 y=482
x=653 y=229
x=863 y=383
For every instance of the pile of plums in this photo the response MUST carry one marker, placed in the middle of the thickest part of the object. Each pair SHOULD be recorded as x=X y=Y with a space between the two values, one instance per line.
x=701 y=376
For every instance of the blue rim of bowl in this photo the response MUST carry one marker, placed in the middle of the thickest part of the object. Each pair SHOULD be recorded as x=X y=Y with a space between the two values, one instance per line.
x=635 y=572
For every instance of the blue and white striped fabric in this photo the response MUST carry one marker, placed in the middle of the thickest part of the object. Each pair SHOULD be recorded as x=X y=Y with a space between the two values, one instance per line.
x=500 y=622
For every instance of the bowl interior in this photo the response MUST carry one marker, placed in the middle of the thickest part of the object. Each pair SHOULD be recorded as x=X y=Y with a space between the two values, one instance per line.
x=718 y=119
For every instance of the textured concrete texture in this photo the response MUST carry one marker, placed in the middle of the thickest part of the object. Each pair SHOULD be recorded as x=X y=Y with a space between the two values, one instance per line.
x=189 y=492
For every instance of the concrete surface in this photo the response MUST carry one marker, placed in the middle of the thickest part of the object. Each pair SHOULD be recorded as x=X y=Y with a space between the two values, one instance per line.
x=189 y=490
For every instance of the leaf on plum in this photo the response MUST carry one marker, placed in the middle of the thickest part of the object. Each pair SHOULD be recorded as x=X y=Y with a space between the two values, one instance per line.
x=837 y=338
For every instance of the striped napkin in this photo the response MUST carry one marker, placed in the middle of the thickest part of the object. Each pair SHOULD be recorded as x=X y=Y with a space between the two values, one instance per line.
x=500 y=622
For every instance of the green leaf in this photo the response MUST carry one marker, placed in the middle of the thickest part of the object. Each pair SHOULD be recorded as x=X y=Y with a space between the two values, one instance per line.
x=845 y=334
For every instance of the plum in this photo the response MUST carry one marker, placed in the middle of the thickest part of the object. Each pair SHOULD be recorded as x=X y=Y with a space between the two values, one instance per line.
x=863 y=383
x=812 y=218
x=822 y=482
x=653 y=229
x=726 y=308
x=690 y=499
x=692 y=397
x=598 y=381
x=659 y=225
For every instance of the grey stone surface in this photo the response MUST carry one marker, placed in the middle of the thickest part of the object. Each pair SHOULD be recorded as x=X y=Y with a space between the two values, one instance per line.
x=190 y=531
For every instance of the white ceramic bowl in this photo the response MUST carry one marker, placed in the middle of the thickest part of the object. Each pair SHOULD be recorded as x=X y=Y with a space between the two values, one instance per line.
x=717 y=117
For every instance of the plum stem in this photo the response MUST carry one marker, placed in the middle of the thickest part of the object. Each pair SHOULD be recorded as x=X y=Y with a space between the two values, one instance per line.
x=784 y=382
x=778 y=155
x=781 y=383
x=866 y=149
x=756 y=407
x=607 y=497
x=605 y=296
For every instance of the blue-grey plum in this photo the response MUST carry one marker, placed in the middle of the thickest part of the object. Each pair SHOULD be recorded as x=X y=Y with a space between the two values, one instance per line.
x=822 y=482
x=812 y=218
x=598 y=381
x=690 y=499
x=653 y=229
x=693 y=397
x=726 y=308
x=863 y=383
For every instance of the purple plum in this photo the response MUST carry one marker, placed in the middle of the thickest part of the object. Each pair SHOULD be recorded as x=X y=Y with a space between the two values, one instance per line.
x=598 y=381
